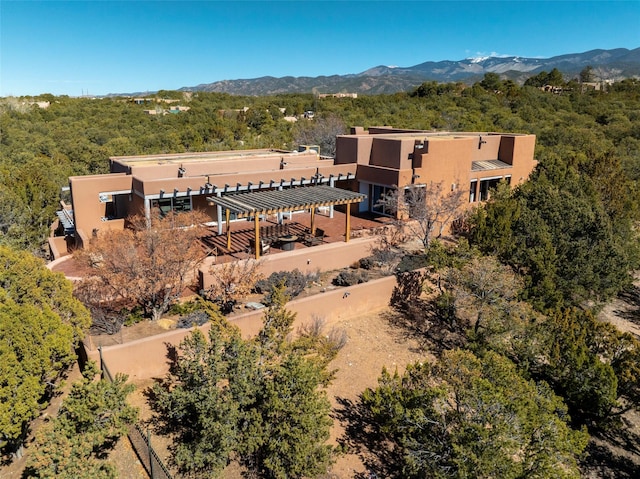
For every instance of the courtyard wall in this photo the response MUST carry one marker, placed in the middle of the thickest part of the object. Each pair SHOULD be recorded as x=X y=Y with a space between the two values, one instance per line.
x=146 y=358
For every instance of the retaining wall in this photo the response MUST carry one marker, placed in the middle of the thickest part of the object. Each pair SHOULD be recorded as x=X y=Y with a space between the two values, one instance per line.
x=325 y=257
x=147 y=358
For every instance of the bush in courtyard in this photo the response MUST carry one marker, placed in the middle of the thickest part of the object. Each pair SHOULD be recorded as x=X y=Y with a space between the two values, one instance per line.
x=366 y=263
x=232 y=282
x=411 y=262
x=185 y=308
x=133 y=316
x=351 y=277
x=195 y=318
x=294 y=283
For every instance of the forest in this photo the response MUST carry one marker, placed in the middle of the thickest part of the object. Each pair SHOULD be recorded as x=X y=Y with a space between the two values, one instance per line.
x=552 y=251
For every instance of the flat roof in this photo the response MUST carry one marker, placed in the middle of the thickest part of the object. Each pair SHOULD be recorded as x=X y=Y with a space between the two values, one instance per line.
x=179 y=158
x=430 y=135
x=275 y=201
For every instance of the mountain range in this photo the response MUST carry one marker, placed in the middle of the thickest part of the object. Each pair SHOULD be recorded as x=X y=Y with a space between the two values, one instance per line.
x=615 y=64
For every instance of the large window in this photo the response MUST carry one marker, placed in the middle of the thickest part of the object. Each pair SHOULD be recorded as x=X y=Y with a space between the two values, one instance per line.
x=182 y=204
x=487 y=185
x=178 y=205
x=378 y=192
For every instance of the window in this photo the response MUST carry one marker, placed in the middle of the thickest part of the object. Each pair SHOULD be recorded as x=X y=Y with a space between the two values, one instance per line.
x=486 y=186
x=109 y=206
x=182 y=204
x=472 y=190
x=178 y=205
x=378 y=192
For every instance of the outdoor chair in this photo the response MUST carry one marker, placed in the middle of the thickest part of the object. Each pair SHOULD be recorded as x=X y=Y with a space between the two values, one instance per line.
x=314 y=239
x=264 y=246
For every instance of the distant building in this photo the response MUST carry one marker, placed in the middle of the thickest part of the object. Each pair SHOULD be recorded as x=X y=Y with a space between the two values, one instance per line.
x=41 y=104
x=338 y=95
x=171 y=109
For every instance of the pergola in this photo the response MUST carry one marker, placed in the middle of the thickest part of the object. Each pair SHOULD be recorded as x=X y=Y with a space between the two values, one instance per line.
x=257 y=203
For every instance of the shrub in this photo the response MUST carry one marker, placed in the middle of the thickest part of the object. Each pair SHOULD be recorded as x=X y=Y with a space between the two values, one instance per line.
x=195 y=318
x=351 y=277
x=185 y=308
x=134 y=316
x=412 y=262
x=294 y=283
x=232 y=282
x=445 y=308
x=366 y=263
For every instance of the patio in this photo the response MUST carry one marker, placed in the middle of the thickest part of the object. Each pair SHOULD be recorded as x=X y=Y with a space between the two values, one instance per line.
x=269 y=210
x=243 y=232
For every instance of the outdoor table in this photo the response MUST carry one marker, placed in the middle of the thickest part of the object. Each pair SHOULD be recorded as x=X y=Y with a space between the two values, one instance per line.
x=288 y=242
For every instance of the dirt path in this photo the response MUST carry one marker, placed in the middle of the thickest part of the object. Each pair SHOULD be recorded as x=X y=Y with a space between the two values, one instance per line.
x=372 y=344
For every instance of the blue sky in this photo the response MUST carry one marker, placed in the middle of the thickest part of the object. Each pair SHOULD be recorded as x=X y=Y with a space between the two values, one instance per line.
x=100 y=47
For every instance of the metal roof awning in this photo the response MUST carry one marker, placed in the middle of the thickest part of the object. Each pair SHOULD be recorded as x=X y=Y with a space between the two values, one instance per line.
x=489 y=165
x=66 y=219
x=277 y=201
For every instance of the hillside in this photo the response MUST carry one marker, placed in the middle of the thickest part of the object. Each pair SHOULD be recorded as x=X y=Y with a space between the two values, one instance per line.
x=615 y=64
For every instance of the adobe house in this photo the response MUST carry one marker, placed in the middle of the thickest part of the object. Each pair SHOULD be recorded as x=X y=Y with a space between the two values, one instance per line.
x=367 y=164
x=389 y=158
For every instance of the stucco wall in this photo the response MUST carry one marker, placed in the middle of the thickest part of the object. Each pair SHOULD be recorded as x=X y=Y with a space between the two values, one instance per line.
x=147 y=358
x=392 y=152
x=325 y=257
x=87 y=208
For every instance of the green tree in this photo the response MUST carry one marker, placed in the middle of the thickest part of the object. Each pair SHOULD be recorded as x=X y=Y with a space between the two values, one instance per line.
x=484 y=291
x=91 y=420
x=35 y=348
x=473 y=417
x=256 y=401
x=555 y=78
x=491 y=82
x=575 y=371
x=556 y=231
x=40 y=324
x=27 y=281
x=586 y=74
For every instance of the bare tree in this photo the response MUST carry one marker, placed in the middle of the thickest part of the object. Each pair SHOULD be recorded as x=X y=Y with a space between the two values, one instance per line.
x=232 y=282
x=321 y=131
x=424 y=209
x=106 y=313
x=484 y=289
x=147 y=264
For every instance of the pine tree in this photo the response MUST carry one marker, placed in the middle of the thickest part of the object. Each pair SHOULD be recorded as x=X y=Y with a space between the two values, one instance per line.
x=473 y=417
x=91 y=420
x=257 y=401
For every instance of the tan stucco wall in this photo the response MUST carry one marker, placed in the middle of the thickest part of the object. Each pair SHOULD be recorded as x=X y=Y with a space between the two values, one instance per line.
x=446 y=161
x=488 y=149
x=147 y=358
x=392 y=153
x=353 y=149
x=524 y=162
x=58 y=246
x=325 y=257
x=87 y=208
x=383 y=176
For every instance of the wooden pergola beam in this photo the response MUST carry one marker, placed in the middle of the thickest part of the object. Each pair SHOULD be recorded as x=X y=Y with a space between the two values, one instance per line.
x=257 y=203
